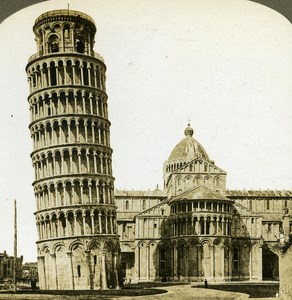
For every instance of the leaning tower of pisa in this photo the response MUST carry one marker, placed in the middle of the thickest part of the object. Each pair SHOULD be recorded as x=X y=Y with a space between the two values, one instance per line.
x=75 y=211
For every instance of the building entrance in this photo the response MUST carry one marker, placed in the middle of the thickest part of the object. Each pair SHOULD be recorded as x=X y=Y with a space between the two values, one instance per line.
x=270 y=265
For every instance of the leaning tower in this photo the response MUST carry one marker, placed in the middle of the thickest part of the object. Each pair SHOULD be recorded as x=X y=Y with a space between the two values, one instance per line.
x=75 y=211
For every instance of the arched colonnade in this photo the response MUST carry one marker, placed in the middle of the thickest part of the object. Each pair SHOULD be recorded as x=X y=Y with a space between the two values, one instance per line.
x=52 y=103
x=69 y=130
x=71 y=160
x=76 y=223
x=73 y=192
x=200 y=225
x=57 y=71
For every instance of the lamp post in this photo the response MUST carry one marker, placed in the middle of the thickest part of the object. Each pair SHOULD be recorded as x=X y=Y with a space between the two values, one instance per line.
x=15 y=248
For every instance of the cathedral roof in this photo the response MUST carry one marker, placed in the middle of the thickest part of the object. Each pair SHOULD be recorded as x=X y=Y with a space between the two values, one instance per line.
x=188 y=148
x=258 y=193
x=198 y=193
x=134 y=193
x=154 y=210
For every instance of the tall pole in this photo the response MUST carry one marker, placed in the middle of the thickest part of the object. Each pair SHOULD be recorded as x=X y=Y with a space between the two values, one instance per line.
x=15 y=247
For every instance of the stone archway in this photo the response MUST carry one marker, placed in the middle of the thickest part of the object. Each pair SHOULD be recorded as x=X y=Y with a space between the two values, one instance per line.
x=270 y=264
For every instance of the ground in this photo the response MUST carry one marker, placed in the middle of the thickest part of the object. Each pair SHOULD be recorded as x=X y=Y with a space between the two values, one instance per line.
x=227 y=291
x=254 y=290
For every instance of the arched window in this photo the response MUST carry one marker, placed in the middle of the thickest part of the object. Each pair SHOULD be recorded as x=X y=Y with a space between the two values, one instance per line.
x=250 y=204
x=196 y=180
x=144 y=204
x=127 y=204
x=66 y=31
x=216 y=181
x=208 y=222
x=268 y=204
x=53 y=74
x=181 y=251
x=53 y=44
x=202 y=225
x=79 y=45
x=100 y=190
x=206 y=180
x=206 y=250
x=162 y=211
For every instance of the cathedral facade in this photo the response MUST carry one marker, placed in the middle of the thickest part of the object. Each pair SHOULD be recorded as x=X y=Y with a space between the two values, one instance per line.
x=196 y=229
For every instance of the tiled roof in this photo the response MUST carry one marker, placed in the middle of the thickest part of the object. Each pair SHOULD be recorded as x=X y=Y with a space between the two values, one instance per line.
x=272 y=217
x=258 y=193
x=133 y=193
x=126 y=216
x=229 y=193
x=153 y=208
x=200 y=192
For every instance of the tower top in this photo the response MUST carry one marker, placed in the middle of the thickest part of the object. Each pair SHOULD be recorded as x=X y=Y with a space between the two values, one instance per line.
x=64 y=15
x=64 y=31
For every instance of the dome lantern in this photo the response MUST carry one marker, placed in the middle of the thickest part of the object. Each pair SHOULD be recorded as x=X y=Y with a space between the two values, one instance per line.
x=189 y=131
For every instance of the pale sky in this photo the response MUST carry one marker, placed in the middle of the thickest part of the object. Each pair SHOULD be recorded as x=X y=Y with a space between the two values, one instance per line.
x=225 y=64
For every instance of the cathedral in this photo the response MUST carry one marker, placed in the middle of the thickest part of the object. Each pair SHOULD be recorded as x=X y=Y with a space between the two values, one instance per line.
x=196 y=229
x=91 y=236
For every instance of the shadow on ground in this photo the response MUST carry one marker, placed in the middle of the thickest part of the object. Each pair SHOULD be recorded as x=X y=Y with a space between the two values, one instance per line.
x=139 y=289
x=254 y=290
x=111 y=293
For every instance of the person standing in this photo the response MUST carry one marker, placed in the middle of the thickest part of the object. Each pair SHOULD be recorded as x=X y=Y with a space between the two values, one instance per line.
x=206 y=283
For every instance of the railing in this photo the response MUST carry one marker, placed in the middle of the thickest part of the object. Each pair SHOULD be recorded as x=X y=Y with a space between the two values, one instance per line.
x=65 y=51
x=64 y=12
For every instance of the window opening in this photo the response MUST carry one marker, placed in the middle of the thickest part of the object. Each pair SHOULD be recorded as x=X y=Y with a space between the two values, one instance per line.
x=79 y=46
x=79 y=271
x=235 y=259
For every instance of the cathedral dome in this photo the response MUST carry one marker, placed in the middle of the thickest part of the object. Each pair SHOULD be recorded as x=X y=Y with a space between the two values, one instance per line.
x=188 y=149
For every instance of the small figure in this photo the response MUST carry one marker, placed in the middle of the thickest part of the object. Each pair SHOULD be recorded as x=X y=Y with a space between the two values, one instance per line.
x=33 y=284
x=206 y=283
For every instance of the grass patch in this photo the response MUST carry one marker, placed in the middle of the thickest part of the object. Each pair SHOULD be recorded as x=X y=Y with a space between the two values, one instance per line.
x=154 y=284
x=122 y=292
x=127 y=291
x=132 y=290
x=256 y=290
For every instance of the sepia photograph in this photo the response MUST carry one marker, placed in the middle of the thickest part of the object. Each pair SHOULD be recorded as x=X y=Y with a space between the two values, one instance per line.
x=146 y=149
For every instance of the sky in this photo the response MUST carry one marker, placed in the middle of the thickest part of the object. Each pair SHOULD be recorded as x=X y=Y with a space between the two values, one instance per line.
x=224 y=64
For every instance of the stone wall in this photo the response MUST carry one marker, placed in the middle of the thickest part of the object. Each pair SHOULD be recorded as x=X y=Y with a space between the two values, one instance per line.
x=78 y=264
x=285 y=268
